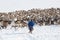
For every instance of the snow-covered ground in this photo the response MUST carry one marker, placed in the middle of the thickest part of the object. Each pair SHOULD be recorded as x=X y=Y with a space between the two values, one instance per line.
x=51 y=32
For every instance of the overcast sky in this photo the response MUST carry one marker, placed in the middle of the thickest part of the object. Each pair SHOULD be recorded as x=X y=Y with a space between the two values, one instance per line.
x=11 y=5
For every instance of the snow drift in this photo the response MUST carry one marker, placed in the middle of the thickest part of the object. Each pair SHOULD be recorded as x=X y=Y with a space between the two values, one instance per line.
x=51 y=32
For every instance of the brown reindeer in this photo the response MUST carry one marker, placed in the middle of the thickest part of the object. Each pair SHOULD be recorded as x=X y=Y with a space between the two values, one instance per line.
x=4 y=24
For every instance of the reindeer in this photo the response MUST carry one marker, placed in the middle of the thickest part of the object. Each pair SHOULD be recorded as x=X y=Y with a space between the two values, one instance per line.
x=4 y=24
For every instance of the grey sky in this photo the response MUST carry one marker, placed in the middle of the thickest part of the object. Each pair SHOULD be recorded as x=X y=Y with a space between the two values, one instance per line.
x=11 y=5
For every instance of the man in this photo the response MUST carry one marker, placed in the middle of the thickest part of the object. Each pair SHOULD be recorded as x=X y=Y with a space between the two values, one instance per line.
x=30 y=25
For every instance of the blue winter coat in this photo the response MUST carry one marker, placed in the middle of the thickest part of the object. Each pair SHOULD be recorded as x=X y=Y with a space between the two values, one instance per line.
x=31 y=23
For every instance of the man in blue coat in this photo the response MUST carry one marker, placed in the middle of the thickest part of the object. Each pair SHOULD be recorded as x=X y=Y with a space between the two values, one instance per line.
x=30 y=25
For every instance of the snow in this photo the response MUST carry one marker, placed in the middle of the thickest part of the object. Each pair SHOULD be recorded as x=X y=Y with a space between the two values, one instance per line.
x=49 y=32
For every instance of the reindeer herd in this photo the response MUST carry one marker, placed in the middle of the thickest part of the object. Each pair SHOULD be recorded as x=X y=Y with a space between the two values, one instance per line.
x=21 y=18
